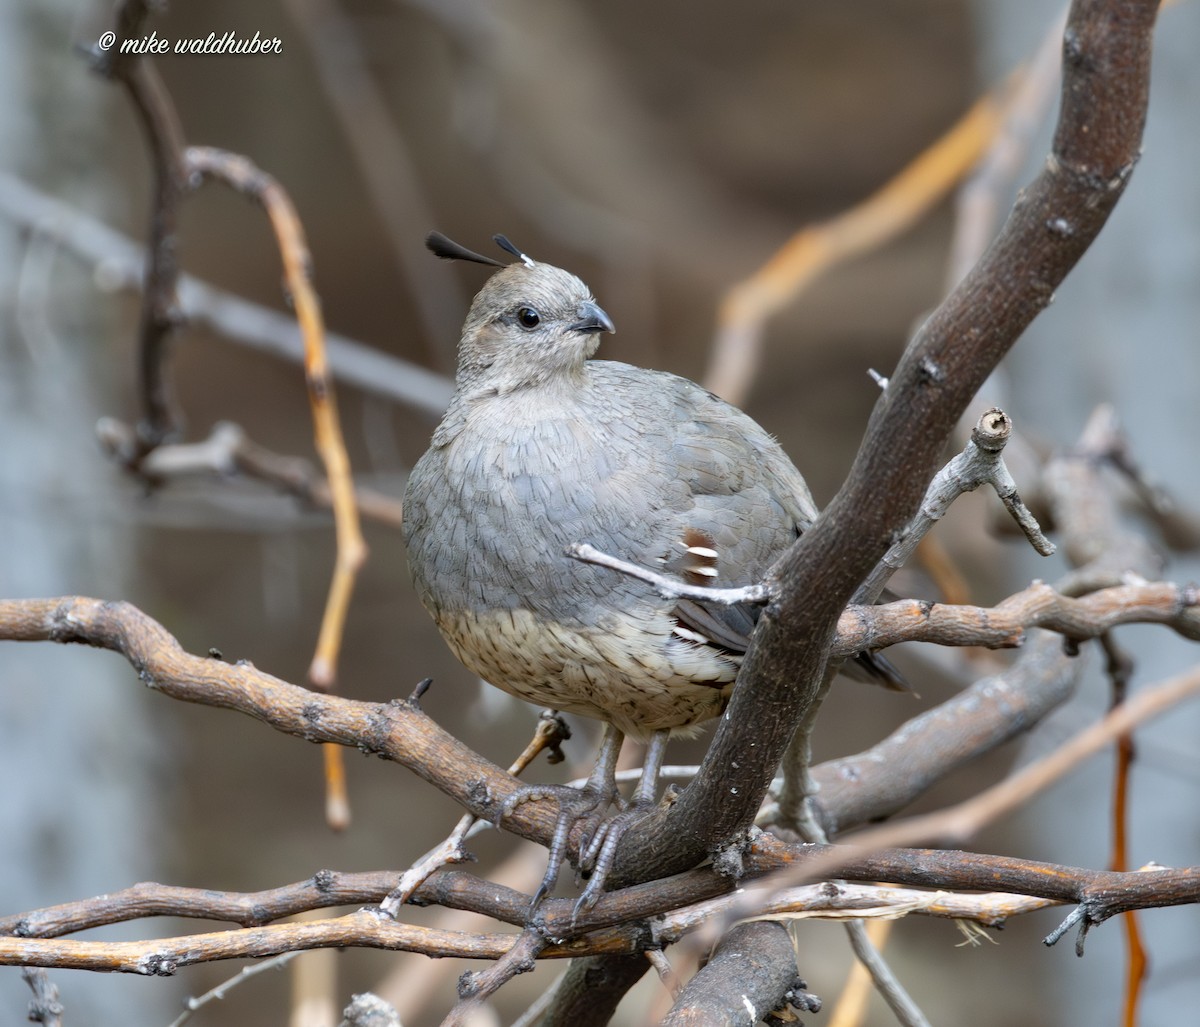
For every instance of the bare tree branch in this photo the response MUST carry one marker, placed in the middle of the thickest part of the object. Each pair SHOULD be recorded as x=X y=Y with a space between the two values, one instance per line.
x=365 y=928
x=383 y=158
x=45 y=1007
x=1004 y=625
x=228 y=451
x=241 y=174
x=320 y=717
x=748 y=976
x=118 y=262
x=164 y=135
x=979 y=201
x=196 y=1003
x=1107 y=55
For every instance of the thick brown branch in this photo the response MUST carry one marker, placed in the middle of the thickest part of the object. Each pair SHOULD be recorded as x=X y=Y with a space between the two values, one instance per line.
x=362 y=929
x=890 y=775
x=398 y=731
x=1107 y=55
x=591 y=989
x=326 y=888
x=679 y=904
x=1107 y=892
x=1004 y=625
x=748 y=976
x=616 y=925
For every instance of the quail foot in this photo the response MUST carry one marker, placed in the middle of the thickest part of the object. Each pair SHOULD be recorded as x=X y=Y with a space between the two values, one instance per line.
x=543 y=447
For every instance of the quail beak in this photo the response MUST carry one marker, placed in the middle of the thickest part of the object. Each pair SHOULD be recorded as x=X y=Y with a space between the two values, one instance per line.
x=592 y=319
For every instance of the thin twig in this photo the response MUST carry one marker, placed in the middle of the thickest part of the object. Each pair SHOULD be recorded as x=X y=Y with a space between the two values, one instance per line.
x=227 y=452
x=194 y=1005
x=117 y=262
x=45 y=1007
x=164 y=135
x=666 y=973
x=519 y=959
x=550 y=733
x=844 y=901
x=980 y=463
x=1119 y=667
x=537 y=1009
x=851 y=1008
x=902 y=1005
x=670 y=588
x=410 y=985
x=906 y=1011
x=241 y=174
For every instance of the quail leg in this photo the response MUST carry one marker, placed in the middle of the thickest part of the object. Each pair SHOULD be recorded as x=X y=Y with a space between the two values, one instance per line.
x=575 y=804
x=601 y=850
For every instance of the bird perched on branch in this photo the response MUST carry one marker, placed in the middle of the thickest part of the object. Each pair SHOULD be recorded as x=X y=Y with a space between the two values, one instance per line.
x=542 y=448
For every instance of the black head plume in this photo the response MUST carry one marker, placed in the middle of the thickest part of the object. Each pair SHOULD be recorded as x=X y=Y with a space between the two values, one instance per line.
x=507 y=246
x=448 y=249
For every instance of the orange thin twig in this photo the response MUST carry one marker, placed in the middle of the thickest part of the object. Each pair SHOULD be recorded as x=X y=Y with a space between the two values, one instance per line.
x=940 y=566
x=244 y=176
x=816 y=248
x=1120 y=669
x=1135 y=961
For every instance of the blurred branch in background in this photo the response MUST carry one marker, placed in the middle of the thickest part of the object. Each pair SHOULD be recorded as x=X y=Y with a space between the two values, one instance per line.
x=987 y=144
x=241 y=175
x=227 y=452
x=983 y=198
x=178 y=171
x=118 y=264
x=161 y=419
x=747 y=306
x=385 y=165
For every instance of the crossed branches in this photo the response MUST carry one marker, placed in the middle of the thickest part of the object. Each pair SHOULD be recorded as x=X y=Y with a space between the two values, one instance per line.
x=660 y=896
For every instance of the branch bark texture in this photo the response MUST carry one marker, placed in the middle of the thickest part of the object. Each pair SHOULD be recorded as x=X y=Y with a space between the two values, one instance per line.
x=1106 y=53
x=747 y=977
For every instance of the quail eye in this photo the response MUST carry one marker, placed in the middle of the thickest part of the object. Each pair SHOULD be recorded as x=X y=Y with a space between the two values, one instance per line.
x=527 y=317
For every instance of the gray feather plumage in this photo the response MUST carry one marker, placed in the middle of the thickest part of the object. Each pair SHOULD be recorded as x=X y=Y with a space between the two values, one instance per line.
x=542 y=447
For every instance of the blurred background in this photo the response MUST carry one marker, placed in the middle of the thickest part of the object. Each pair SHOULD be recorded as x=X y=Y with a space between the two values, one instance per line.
x=663 y=152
